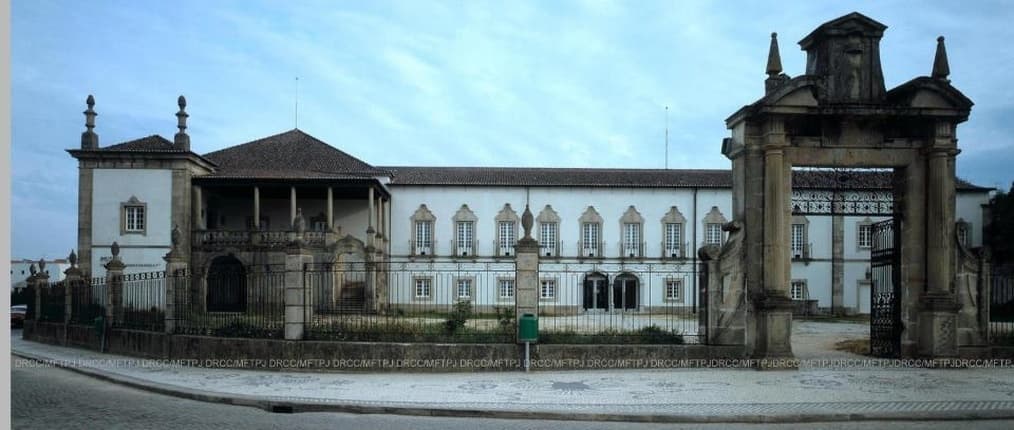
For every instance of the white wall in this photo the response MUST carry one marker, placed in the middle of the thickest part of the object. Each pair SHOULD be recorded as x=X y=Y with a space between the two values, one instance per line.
x=112 y=187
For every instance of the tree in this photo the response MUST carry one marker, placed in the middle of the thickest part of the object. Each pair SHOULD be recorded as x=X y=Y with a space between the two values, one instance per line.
x=1000 y=231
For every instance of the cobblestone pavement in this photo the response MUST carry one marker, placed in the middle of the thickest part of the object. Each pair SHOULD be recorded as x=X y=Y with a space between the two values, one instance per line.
x=46 y=398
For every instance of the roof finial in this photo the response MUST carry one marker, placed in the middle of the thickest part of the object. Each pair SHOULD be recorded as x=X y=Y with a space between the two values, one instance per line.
x=182 y=140
x=72 y=258
x=90 y=140
x=774 y=59
x=940 y=67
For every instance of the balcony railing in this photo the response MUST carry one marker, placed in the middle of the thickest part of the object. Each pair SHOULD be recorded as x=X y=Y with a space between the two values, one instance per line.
x=631 y=250
x=464 y=248
x=802 y=254
x=551 y=249
x=422 y=248
x=674 y=250
x=590 y=249
x=505 y=249
x=259 y=239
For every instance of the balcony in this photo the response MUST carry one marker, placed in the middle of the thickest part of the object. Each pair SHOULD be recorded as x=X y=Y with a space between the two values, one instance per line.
x=674 y=251
x=590 y=249
x=213 y=239
x=464 y=248
x=632 y=250
x=505 y=250
x=551 y=249
x=422 y=248
x=802 y=254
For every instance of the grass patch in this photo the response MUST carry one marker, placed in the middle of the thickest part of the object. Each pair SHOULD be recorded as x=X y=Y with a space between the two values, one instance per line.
x=651 y=334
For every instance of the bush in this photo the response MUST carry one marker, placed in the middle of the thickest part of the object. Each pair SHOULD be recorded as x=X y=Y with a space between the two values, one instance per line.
x=505 y=316
x=460 y=314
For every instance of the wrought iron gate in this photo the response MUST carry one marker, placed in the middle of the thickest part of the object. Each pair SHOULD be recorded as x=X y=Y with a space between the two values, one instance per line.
x=885 y=297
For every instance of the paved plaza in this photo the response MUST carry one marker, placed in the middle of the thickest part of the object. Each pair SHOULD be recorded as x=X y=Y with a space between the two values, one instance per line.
x=689 y=395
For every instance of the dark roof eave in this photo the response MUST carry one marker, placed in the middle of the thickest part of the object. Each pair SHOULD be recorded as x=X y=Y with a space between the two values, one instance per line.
x=107 y=153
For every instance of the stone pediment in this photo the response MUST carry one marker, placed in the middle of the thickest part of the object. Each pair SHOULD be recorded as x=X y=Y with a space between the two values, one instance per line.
x=928 y=93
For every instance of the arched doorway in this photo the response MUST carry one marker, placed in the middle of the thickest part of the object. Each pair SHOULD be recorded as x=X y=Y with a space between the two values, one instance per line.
x=226 y=285
x=625 y=291
x=596 y=295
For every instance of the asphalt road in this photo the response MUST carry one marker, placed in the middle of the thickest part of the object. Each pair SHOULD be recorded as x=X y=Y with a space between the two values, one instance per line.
x=46 y=398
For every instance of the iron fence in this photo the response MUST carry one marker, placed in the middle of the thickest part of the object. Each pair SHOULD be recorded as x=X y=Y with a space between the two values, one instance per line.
x=405 y=301
x=142 y=298
x=617 y=303
x=87 y=300
x=52 y=303
x=237 y=303
x=1001 y=308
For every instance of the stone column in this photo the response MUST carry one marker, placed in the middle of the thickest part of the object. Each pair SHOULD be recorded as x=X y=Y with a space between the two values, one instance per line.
x=370 y=230
x=838 y=264
x=256 y=208
x=330 y=209
x=774 y=308
x=114 y=286
x=292 y=202
x=74 y=283
x=175 y=282
x=938 y=306
x=526 y=272
x=39 y=281
x=297 y=295
x=198 y=207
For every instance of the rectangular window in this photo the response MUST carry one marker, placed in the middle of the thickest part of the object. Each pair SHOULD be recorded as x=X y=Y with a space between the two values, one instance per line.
x=674 y=289
x=423 y=238
x=133 y=218
x=506 y=288
x=713 y=234
x=464 y=288
x=589 y=239
x=798 y=241
x=865 y=239
x=548 y=290
x=673 y=240
x=423 y=287
x=465 y=234
x=548 y=238
x=798 y=291
x=632 y=240
x=506 y=237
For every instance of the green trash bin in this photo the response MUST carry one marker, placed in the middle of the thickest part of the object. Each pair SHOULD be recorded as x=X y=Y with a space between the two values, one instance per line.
x=528 y=330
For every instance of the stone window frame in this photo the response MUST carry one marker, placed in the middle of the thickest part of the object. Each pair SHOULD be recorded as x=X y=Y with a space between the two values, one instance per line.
x=134 y=202
x=804 y=254
x=804 y=291
x=590 y=216
x=868 y=224
x=423 y=214
x=471 y=288
x=556 y=289
x=464 y=214
x=549 y=216
x=682 y=285
x=632 y=217
x=499 y=290
x=963 y=232
x=506 y=214
x=714 y=216
x=674 y=216
x=415 y=288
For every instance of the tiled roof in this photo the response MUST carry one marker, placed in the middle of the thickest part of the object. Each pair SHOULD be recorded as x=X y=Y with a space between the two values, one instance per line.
x=153 y=143
x=535 y=177
x=289 y=155
x=625 y=178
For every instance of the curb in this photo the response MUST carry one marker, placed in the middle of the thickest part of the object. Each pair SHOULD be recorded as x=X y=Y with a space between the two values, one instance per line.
x=289 y=405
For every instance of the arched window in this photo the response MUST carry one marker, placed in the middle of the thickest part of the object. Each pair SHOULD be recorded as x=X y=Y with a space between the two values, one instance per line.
x=226 y=285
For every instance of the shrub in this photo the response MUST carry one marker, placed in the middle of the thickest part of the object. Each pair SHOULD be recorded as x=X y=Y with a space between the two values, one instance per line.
x=505 y=316
x=460 y=314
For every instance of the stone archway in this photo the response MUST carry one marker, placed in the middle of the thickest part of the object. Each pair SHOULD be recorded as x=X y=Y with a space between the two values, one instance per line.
x=839 y=115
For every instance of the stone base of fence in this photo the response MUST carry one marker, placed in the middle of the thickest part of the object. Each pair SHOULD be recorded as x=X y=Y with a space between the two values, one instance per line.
x=369 y=356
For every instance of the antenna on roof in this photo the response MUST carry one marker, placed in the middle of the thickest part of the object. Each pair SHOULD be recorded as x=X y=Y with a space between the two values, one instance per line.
x=667 y=137
x=296 y=118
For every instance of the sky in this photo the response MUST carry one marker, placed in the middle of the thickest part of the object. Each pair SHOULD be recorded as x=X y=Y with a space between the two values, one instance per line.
x=451 y=83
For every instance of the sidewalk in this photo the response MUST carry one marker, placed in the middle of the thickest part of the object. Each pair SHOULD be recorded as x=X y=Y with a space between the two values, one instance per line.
x=669 y=395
